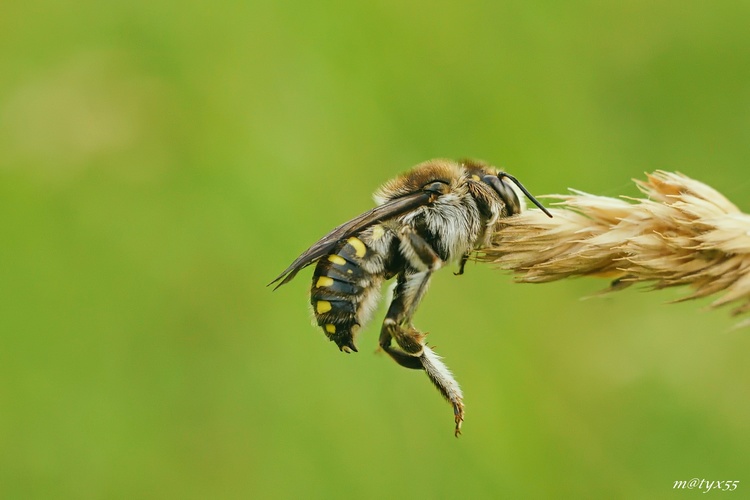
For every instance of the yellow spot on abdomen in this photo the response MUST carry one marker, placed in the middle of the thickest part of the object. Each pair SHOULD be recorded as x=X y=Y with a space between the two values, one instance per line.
x=324 y=281
x=377 y=232
x=476 y=178
x=330 y=328
x=337 y=259
x=322 y=306
x=359 y=248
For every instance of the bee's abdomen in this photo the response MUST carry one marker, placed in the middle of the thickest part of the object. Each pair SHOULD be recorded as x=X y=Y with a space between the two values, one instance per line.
x=344 y=287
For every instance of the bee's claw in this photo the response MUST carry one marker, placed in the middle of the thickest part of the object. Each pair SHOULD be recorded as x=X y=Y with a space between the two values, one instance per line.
x=458 y=411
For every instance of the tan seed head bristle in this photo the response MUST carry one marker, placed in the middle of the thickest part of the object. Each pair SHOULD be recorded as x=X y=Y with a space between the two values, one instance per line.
x=683 y=233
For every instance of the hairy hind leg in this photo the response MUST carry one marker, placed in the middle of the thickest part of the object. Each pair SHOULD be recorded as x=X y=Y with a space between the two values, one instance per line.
x=412 y=351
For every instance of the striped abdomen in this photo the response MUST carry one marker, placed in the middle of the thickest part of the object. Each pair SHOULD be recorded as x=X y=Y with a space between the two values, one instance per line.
x=345 y=288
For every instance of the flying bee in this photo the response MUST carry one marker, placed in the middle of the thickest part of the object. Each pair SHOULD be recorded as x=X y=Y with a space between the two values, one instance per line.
x=436 y=213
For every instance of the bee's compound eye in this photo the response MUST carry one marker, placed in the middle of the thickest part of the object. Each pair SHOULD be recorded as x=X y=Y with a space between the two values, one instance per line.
x=506 y=193
x=437 y=187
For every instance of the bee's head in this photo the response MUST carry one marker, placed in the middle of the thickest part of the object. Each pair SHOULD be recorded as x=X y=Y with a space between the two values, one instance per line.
x=503 y=186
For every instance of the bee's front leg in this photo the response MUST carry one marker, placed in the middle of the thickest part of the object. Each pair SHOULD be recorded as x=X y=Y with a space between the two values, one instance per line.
x=462 y=264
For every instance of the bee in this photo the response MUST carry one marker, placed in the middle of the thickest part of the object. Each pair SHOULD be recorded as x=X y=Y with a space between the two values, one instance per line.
x=437 y=213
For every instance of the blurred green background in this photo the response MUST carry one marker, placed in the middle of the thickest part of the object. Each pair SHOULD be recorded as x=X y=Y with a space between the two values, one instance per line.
x=161 y=162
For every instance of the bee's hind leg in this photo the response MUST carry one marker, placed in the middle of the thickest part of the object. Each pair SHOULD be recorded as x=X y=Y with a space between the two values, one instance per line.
x=391 y=330
x=412 y=351
x=443 y=379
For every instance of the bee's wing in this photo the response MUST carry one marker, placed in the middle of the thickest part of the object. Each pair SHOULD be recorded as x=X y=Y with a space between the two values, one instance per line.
x=388 y=210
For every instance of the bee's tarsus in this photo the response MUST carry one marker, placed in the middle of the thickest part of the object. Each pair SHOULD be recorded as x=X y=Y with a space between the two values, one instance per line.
x=462 y=264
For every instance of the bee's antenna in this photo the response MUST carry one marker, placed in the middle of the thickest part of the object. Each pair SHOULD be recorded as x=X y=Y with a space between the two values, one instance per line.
x=526 y=192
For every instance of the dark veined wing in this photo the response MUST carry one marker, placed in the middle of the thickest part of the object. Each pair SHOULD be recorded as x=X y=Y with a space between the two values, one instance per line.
x=388 y=210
